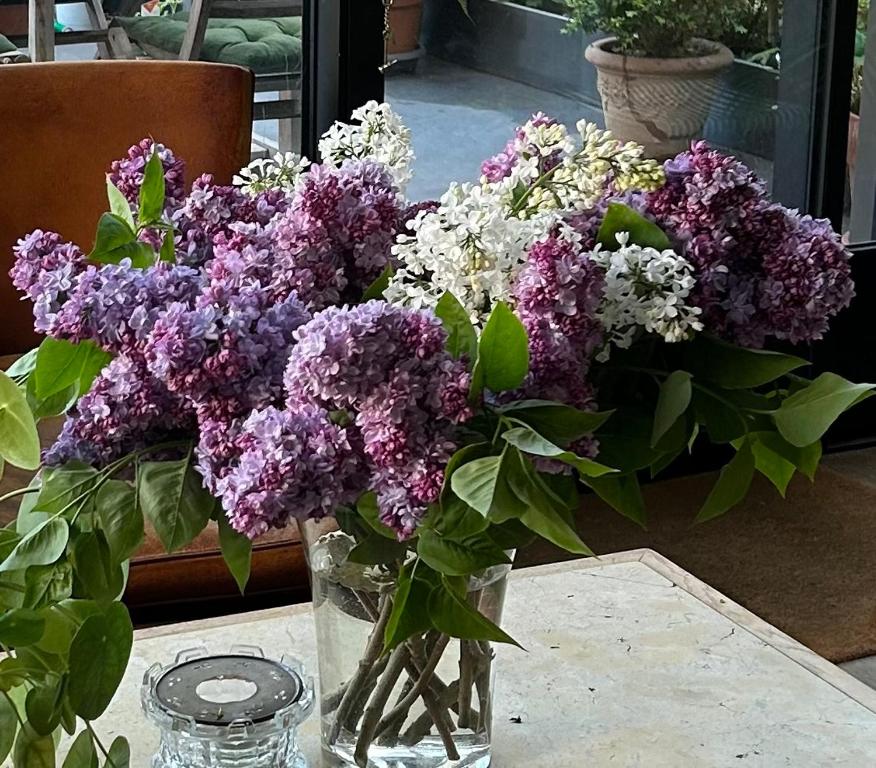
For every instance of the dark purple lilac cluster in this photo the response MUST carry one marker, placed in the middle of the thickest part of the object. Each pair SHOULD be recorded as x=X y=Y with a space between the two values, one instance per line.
x=762 y=270
x=556 y=295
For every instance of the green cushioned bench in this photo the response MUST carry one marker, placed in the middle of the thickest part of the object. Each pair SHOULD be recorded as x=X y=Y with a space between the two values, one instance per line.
x=9 y=54
x=266 y=46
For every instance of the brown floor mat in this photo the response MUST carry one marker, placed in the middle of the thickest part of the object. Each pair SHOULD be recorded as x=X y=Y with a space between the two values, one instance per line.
x=806 y=564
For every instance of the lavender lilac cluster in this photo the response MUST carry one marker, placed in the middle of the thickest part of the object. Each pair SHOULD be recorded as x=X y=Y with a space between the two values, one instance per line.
x=386 y=368
x=762 y=270
x=200 y=345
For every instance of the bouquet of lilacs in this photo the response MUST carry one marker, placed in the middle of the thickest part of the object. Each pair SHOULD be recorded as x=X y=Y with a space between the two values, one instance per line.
x=440 y=379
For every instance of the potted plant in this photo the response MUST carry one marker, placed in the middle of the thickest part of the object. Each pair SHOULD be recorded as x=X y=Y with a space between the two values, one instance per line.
x=404 y=19
x=658 y=68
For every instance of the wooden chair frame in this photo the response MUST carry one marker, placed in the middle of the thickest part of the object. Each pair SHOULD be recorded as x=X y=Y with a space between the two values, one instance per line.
x=287 y=108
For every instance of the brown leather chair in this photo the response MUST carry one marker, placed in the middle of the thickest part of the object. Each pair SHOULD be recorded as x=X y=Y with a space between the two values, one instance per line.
x=63 y=123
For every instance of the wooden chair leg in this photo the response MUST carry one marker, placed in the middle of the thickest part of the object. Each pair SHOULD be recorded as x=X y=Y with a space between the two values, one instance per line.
x=41 y=30
x=289 y=128
x=117 y=45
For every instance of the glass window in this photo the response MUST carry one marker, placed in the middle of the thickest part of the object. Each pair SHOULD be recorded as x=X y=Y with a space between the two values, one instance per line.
x=860 y=222
x=740 y=74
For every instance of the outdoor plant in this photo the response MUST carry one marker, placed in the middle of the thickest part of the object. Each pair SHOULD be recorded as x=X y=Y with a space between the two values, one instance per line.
x=658 y=28
x=442 y=379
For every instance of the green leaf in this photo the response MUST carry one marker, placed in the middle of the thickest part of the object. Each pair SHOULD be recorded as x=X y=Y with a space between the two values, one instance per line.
x=461 y=337
x=101 y=576
x=805 y=459
x=734 y=367
x=543 y=514
x=20 y=628
x=511 y=535
x=119 y=754
x=236 y=551
x=621 y=218
x=82 y=753
x=375 y=549
x=559 y=423
x=168 y=248
x=454 y=519
x=8 y=727
x=721 y=418
x=410 y=608
x=529 y=441
x=777 y=469
x=24 y=365
x=32 y=750
x=369 y=510
x=63 y=485
x=503 y=350
x=623 y=494
x=98 y=658
x=48 y=584
x=41 y=546
x=152 y=191
x=672 y=402
x=475 y=482
x=453 y=615
x=19 y=441
x=732 y=484
x=54 y=405
x=376 y=289
x=174 y=500
x=113 y=232
x=43 y=705
x=805 y=416
x=459 y=557
x=120 y=518
x=119 y=205
x=625 y=443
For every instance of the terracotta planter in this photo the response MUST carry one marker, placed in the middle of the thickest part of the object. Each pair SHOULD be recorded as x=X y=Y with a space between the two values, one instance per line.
x=659 y=103
x=405 y=17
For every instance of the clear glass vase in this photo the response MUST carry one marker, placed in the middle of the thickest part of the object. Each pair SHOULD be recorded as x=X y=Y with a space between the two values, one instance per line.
x=428 y=703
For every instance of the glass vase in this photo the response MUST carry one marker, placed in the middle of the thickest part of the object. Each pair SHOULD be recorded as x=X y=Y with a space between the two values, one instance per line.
x=426 y=704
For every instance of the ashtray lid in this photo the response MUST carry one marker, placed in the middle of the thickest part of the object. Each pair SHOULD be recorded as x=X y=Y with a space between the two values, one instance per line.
x=238 y=688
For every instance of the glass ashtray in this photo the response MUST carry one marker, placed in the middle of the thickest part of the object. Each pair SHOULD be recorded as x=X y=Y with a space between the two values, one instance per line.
x=234 y=709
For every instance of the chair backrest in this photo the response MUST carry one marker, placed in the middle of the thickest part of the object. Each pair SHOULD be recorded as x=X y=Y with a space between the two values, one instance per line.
x=62 y=124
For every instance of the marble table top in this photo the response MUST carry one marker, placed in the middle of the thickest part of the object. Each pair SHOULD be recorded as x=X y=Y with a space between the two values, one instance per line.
x=630 y=661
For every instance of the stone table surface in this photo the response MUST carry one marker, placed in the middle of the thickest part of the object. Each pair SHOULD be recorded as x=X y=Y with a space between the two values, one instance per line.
x=630 y=661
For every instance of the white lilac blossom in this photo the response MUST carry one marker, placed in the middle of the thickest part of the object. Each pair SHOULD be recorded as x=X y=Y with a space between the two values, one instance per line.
x=380 y=135
x=467 y=246
x=281 y=171
x=542 y=169
x=645 y=289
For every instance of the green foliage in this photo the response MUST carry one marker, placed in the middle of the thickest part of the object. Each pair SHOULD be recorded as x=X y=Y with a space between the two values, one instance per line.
x=657 y=28
x=152 y=191
x=19 y=441
x=461 y=337
x=503 y=352
x=732 y=486
x=60 y=364
x=236 y=551
x=376 y=289
x=115 y=240
x=174 y=500
x=807 y=414
x=621 y=218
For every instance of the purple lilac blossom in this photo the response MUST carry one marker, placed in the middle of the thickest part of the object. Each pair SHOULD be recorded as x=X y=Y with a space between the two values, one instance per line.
x=557 y=294
x=116 y=306
x=336 y=237
x=229 y=348
x=127 y=173
x=213 y=210
x=291 y=464
x=762 y=270
x=387 y=368
x=126 y=409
